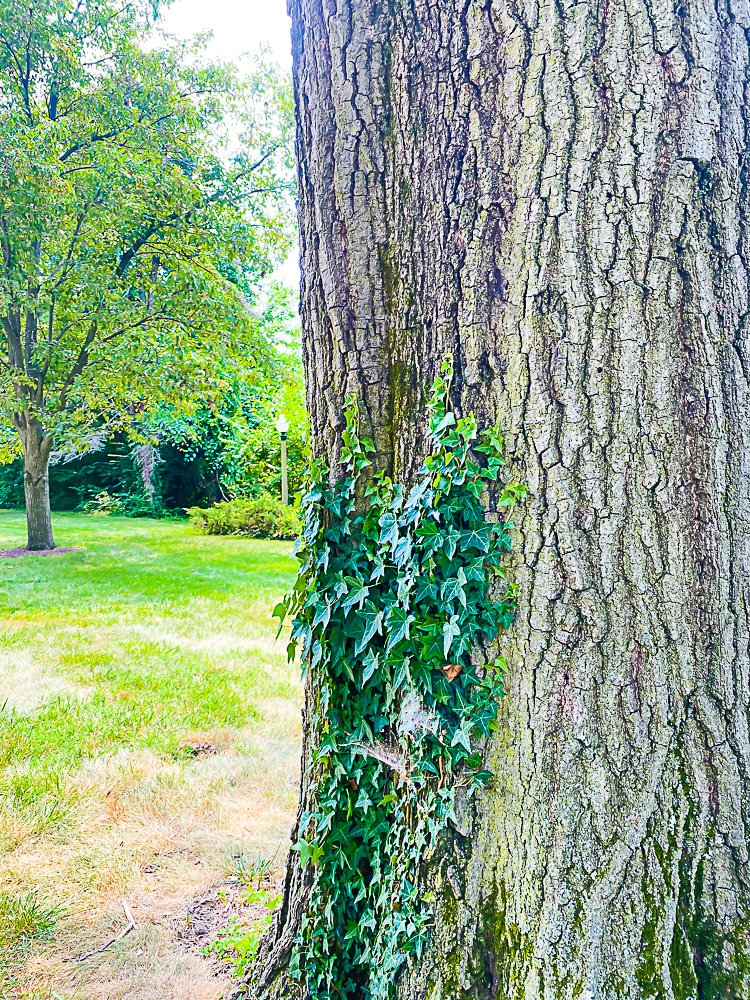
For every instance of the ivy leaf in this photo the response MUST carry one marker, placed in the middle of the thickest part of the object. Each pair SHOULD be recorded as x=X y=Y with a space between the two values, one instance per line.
x=388 y=529
x=317 y=654
x=512 y=494
x=425 y=590
x=475 y=571
x=401 y=673
x=403 y=590
x=322 y=615
x=402 y=550
x=417 y=495
x=492 y=441
x=363 y=801
x=429 y=535
x=453 y=588
x=309 y=853
x=398 y=623
x=462 y=737
x=357 y=594
x=477 y=537
x=280 y=612
x=370 y=663
x=494 y=465
x=450 y=539
x=432 y=646
x=372 y=622
x=451 y=631
x=379 y=571
x=301 y=632
x=438 y=426
x=482 y=778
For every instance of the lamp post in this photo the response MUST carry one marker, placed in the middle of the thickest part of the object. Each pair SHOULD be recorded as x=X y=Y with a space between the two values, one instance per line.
x=282 y=426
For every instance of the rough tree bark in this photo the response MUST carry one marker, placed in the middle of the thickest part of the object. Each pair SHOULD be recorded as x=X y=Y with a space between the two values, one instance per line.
x=557 y=192
x=36 y=453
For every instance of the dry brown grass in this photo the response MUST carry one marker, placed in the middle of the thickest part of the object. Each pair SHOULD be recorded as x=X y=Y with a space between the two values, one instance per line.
x=157 y=834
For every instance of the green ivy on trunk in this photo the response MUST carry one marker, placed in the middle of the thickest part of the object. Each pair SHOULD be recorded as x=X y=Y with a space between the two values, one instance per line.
x=392 y=602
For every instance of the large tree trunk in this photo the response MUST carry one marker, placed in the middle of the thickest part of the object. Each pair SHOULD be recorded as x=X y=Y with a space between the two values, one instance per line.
x=36 y=452
x=557 y=193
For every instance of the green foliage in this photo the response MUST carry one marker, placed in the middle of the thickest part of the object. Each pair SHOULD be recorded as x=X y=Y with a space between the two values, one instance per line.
x=238 y=942
x=106 y=479
x=229 y=447
x=256 y=467
x=144 y=195
x=265 y=517
x=11 y=486
x=105 y=504
x=233 y=436
x=392 y=598
x=24 y=920
x=250 y=871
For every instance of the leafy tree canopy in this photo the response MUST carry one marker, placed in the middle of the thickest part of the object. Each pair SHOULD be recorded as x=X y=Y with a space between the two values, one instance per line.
x=143 y=195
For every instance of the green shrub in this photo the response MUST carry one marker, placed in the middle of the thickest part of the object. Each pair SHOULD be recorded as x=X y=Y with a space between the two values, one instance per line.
x=264 y=517
x=103 y=503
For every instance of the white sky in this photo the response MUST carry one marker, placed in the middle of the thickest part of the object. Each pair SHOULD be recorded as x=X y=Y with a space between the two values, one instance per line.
x=238 y=26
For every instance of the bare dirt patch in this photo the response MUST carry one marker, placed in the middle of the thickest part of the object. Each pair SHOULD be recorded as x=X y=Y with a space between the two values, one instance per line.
x=208 y=916
x=197 y=748
x=21 y=552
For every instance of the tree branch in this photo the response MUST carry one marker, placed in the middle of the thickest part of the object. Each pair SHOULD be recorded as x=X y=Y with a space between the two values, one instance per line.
x=73 y=242
x=21 y=82
x=112 y=134
x=80 y=364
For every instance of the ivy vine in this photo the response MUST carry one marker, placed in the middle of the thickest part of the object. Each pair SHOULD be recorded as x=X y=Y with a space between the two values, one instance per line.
x=392 y=597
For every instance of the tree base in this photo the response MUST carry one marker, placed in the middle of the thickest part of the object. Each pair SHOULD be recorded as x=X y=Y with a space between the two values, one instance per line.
x=58 y=550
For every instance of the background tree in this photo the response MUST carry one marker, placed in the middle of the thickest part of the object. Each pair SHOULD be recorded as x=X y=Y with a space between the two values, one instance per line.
x=134 y=223
x=557 y=194
x=222 y=447
x=235 y=439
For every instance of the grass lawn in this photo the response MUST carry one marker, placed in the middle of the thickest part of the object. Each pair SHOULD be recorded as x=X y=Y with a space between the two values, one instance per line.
x=149 y=746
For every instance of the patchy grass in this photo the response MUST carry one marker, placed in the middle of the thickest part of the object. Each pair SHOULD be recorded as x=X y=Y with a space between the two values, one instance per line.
x=23 y=919
x=149 y=732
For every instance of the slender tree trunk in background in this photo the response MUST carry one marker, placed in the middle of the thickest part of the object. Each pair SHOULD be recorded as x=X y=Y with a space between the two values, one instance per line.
x=557 y=193
x=36 y=452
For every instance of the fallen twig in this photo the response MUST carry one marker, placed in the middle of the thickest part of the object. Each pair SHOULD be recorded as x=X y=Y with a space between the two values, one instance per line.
x=131 y=926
